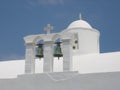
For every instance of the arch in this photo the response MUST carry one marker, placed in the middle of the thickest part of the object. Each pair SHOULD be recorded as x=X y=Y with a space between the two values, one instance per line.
x=56 y=36
x=37 y=39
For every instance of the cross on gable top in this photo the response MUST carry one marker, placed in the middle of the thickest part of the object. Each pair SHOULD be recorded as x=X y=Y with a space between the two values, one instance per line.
x=48 y=28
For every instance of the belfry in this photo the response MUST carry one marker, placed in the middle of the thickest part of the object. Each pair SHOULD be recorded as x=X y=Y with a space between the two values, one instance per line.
x=79 y=38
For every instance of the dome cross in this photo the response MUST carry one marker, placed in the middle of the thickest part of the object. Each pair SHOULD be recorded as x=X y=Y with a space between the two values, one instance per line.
x=80 y=16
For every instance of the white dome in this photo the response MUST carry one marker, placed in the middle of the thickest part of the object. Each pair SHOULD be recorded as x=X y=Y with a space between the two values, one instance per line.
x=79 y=24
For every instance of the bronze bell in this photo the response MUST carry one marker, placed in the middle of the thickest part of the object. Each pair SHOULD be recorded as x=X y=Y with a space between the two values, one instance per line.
x=39 y=51
x=58 y=52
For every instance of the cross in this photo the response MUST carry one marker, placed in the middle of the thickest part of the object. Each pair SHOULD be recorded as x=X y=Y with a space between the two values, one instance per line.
x=80 y=16
x=48 y=28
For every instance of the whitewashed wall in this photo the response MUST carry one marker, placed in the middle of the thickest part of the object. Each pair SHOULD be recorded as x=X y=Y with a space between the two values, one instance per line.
x=96 y=63
x=10 y=69
x=92 y=63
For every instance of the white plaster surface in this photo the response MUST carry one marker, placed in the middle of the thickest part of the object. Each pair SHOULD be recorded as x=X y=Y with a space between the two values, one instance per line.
x=79 y=24
x=88 y=39
x=63 y=81
x=91 y=63
x=10 y=69
x=97 y=63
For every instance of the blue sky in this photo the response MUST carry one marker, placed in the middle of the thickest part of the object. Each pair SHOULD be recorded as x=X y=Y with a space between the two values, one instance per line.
x=19 y=18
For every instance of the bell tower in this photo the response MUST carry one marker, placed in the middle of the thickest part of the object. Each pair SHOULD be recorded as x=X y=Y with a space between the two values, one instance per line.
x=46 y=50
x=79 y=38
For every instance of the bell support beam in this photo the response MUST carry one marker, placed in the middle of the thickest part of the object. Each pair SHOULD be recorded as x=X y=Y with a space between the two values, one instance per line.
x=48 y=56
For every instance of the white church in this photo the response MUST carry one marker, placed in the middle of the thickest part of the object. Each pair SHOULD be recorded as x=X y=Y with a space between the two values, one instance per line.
x=68 y=60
